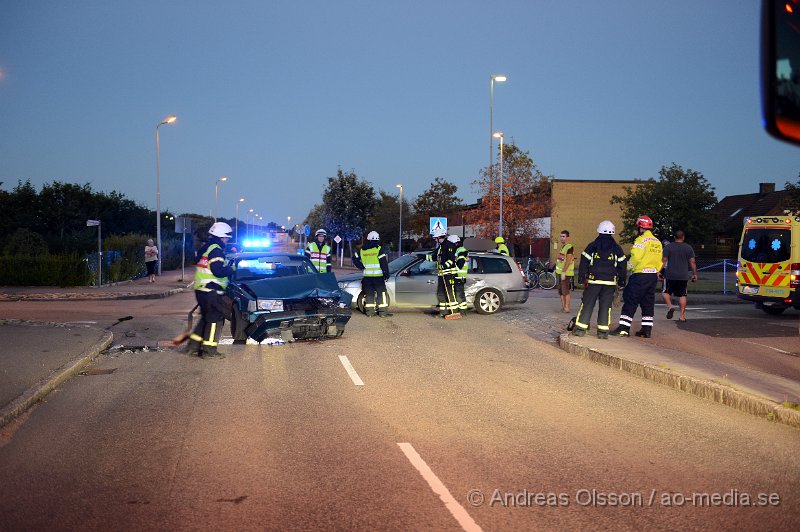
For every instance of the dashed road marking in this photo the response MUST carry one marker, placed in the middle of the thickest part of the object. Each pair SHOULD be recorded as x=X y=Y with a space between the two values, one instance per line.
x=770 y=347
x=351 y=371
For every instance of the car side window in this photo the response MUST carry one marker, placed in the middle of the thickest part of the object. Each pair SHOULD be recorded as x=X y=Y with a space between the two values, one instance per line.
x=426 y=267
x=494 y=265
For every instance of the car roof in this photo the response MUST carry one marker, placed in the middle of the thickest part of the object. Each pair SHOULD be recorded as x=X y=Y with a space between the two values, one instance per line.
x=267 y=254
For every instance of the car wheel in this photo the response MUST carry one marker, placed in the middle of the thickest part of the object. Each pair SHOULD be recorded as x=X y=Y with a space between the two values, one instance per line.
x=773 y=311
x=547 y=280
x=361 y=302
x=237 y=328
x=488 y=301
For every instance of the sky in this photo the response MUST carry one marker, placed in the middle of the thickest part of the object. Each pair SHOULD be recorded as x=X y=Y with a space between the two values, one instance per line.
x=277 y=95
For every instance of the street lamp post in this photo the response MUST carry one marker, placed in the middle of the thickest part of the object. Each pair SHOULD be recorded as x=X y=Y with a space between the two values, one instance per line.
x=498 y=78
x=499 y=135
x=216 y=195
x=400 y=242
x=291 y=229
x=247 y=228
x=168 y=120
x=241 y=200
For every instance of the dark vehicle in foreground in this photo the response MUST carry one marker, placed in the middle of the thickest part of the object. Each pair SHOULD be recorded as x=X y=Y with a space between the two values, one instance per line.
x=283 y=294
x=493 y=281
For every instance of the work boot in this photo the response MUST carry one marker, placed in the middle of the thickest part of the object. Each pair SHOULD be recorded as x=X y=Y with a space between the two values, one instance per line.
x=603 y=335
x=577 y=331
x=622 y=330
x=645 y=332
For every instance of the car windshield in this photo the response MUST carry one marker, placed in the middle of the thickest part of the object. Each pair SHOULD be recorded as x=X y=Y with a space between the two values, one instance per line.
x=401 y=262
x=270 y=267
x=766 y=245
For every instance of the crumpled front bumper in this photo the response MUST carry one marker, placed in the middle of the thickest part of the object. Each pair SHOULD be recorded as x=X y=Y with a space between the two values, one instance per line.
x=298 y=325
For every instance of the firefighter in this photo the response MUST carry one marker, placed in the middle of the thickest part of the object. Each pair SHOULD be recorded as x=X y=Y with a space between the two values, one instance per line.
x=445 y=258
x=462 y=263
x=210 y=279
x=318 y=252
x=372 y=261
x=644 y=265
x=603 y=267
x=501 y=246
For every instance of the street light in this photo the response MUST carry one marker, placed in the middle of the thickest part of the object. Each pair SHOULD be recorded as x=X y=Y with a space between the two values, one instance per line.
x=291 y=229
x=400 y=242
x=247 y=229
x=499 y=135
x=168 y=120
x=216 y=194
x=498 y=78
x=241 y=200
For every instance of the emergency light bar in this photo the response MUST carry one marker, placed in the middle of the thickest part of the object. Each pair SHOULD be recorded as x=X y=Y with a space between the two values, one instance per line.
x=256 y=243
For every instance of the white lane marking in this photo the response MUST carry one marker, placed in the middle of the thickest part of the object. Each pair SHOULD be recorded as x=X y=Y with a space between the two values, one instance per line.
x=81 y=322
x=351 y=371
x=458 y=511
x=769 y=347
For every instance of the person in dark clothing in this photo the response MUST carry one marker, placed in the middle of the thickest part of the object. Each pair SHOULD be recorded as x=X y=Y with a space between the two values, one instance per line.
x=603 y=268
x=678 y=258
x=445 y=258
x=372 y=261
x=210 y=280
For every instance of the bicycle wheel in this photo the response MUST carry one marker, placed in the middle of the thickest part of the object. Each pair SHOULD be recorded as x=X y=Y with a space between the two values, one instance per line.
x=548 y=280
x=533 y=279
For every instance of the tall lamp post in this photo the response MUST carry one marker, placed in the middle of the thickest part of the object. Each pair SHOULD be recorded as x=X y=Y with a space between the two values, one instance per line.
x=498 y=78
x=168 y=120
x=246 y=223
x=291 y=229
x=400 y=242
x=241 y=200
x=499 y=135
x=216 y=194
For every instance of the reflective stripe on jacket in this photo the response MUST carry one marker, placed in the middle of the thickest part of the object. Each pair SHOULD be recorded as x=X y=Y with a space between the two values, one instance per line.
x=371 y=259
x=562 y=260
x=203 y=275
x=319 y=257
x=462 y=262
x=502 y=249
x=646 y=254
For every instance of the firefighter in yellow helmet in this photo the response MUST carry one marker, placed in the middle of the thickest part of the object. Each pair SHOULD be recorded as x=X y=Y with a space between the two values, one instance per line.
x=462 y=263
x=501 y=246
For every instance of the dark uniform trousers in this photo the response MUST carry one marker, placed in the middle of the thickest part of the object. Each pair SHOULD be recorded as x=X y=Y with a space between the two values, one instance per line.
x=445 y=293
x=376 y=298
x=209 y=327
x=460 y=295
x=602 y=294
x=640 y=292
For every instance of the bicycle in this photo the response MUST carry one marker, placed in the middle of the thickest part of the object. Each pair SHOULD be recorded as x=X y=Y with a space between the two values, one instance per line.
x=540 y=274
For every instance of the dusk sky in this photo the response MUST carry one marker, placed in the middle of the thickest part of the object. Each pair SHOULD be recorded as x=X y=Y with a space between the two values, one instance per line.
x=277 y=95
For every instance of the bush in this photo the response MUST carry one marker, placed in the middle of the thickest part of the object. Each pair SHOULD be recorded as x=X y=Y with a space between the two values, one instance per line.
x=44 y=270
x=25 y=242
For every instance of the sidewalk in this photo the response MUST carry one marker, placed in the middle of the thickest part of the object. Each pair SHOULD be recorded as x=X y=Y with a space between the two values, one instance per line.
x=29 y=371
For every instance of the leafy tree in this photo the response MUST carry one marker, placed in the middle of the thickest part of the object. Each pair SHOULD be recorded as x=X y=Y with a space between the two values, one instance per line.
x=387 y=218
x=678 y=199
x=25 y=242
x=794 y=196
x=349 y=203
x=439 y=200
x=316 y=217
x=525 y=195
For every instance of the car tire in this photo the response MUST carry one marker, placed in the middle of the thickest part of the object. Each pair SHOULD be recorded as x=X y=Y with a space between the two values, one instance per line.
x=488 y=301
x=361 y=302
x=773 y=311
x=239 y=336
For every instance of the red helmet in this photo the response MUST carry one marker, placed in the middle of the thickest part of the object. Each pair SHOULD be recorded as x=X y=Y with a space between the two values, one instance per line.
x=644 y=222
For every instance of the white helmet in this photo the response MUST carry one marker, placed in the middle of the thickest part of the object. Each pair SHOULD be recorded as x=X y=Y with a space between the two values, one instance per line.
x=439 y=232
x=606 y=228
x=322 y=232
x=373 y=235
x=221 y=230
x=454 y=239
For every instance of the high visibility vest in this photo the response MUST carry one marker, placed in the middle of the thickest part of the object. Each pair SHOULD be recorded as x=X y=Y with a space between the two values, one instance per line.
x=370 y=258
x=646 y=254
x=502 y=249
x=202 y=272
x=462 y=262
x=319 y=256
x=562 y=259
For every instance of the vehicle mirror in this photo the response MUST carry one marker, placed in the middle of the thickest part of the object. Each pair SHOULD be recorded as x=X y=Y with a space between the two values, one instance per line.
x=780 y=68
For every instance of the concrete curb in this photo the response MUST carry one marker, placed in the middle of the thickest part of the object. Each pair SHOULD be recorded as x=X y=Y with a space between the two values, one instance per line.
x=91 y=297
x=39 y=390
x=718 y=393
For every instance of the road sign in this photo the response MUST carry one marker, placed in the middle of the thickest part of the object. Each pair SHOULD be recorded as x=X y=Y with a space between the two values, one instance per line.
x=307 y=230
x=183 y=224
x=437 y=223
x=337 y=239
x=92 y=223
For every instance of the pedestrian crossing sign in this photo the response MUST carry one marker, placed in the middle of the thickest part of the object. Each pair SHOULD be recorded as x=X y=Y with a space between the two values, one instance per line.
x=438 y=223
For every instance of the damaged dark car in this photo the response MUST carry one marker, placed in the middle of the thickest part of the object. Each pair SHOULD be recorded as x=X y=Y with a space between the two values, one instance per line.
x=280 y=294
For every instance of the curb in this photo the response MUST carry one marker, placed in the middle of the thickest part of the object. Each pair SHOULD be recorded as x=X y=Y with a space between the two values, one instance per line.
x=94 y=297
x=39 y=390
x=718 y=393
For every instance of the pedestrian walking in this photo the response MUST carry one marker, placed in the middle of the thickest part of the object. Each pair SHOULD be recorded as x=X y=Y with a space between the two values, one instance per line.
x=462 y=263
x=677 y=260
x=318 y=252
x=151 y=259
x=603 y=268
x=210 y=280
x=501 y=246
x=372 y=261
x=565 y=270
x=445 y=258
x=644 y=264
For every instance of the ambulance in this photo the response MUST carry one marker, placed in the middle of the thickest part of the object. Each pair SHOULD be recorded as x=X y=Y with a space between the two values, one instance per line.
x=768 y=272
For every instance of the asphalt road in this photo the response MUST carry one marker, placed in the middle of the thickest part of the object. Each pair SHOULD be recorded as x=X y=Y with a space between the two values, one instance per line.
x=284 y=437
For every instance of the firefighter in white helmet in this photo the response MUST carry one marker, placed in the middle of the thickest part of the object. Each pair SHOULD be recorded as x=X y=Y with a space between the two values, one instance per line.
x=318 y=252
x=210 y=280
x=462 y=263
x=372 y=261
x=445 y=258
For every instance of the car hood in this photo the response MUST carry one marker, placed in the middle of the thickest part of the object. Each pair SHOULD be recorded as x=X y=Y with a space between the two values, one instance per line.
x=295 y=287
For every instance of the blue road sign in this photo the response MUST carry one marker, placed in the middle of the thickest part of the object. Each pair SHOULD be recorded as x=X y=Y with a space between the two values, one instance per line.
x=307 y=230
x=438 y=222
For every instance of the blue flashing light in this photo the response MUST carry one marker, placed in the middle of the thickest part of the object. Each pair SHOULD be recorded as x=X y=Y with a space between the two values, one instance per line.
x=256 y=243
x=776 y=244
x=751 y=244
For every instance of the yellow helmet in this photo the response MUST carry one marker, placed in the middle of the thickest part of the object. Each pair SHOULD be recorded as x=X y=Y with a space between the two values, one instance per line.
x=499 y=240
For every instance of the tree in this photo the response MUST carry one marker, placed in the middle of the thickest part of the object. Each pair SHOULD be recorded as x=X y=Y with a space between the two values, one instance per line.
x=678 y=199
x=387 y=218
x=316 y=217
x=439 y=200
x=349 y=203
x=794 y=195
x=525 y=195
